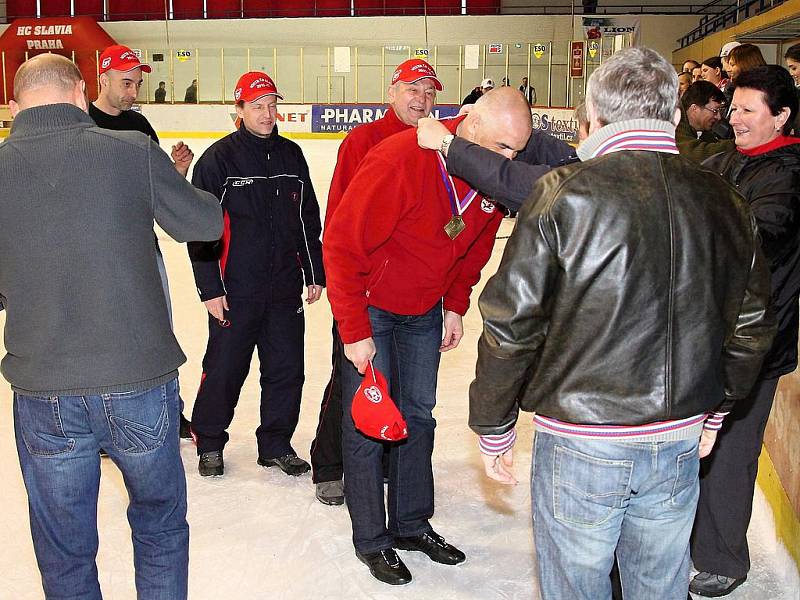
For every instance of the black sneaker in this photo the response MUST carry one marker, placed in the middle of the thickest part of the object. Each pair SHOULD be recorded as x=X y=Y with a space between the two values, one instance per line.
x=432 y=544
x=211 y=464
x=185 y=429
x=291 y=464
x=386 y=566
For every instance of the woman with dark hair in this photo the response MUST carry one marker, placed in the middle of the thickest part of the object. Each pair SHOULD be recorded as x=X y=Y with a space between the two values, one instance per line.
x=765 y=168
x=743 y=58
x=792 y=58
x=711 y=71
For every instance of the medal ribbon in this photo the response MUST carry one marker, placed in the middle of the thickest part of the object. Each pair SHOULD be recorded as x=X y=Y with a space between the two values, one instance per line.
x=457 y=205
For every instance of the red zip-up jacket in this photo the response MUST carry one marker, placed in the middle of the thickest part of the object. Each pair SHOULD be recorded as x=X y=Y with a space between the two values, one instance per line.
x=385 y=245
x=353 y=150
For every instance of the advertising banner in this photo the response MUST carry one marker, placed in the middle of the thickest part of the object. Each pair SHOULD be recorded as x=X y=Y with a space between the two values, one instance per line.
x=558 y=122
x=335 y=118
x=576 y=59
x=597 y=27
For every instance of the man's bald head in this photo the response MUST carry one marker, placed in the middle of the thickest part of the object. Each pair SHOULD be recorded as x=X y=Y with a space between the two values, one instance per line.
x=47 y=79
x=499 y=121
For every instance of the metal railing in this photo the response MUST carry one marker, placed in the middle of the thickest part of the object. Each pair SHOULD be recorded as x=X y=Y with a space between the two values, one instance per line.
x=731 y=14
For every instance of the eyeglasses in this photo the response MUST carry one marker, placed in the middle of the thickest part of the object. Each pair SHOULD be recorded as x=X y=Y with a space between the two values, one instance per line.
x=713 y=111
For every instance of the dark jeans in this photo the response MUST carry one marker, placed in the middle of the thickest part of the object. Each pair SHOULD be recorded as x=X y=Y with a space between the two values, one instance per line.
x=58 y=440
x=412 y=344
x=326 y=449
x=277 y=331
x=727 y=483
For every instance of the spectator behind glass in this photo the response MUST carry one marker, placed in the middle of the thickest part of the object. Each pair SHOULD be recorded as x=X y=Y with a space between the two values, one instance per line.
x=744 y=58
x=792 y=57
x=711 y=71
x=765 y=168
x=684 y=81
x=697 y=74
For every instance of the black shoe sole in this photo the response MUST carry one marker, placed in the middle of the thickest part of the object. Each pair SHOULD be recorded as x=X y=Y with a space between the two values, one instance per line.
x=706 y=594
x=402 y=546
x=336 y=502
x=371 y=572
x=212 y=473
x=271 y=462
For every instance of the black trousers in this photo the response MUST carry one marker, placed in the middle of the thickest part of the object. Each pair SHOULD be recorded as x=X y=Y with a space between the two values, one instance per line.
x=326 y=449
x=277 y=331
x=727 y=483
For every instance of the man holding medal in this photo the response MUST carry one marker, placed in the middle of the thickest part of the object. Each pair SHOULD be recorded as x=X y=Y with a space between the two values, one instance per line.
x=402 y=253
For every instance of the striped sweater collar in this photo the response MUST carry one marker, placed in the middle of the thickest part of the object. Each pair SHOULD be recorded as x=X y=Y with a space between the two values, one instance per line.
x=650 y=135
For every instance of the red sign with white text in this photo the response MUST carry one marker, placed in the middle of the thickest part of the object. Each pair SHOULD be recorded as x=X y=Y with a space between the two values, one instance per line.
x=576 y=59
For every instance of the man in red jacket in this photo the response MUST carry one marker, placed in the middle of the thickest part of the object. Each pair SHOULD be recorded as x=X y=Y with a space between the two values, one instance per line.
x=406 y=244
x=411 y=94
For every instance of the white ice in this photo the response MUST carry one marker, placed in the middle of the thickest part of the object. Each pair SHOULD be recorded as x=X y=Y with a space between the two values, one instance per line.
x=258 y=534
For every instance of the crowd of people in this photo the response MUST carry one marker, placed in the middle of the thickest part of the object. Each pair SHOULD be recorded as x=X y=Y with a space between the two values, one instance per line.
x=645 y=325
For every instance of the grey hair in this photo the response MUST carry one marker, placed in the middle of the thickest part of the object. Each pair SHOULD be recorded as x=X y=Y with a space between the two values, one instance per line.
x=635 y=83
x=46 y=70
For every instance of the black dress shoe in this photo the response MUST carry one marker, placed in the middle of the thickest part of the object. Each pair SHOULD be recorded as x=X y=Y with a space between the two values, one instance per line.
x=211 y=464
x=432 y=544
x=185 y=429
x=711 y=585
x=386 y=566
x=291 y=464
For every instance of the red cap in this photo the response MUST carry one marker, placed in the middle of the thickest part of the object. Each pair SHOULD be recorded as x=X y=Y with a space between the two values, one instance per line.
x=121 y=58
x=374 y=412
x=254 y=85
x=415 y=69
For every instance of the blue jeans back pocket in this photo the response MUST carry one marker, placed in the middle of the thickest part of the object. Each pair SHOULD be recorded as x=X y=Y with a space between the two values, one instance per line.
x=39 y=423
x=586 y=489
x=139 y=421
x=686 y=477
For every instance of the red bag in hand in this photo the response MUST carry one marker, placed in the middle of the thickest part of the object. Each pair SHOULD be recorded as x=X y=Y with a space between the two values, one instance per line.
x=374 y=412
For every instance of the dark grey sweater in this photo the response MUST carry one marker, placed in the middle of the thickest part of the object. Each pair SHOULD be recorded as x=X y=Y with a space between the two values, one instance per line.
x=86 y=312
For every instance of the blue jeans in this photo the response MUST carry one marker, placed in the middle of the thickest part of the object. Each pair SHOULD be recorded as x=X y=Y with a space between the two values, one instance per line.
x=594 y=498
x=58 y=440
x=411 y=345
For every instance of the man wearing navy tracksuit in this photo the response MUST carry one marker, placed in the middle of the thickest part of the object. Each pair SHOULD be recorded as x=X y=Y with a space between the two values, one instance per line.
x=251 y=280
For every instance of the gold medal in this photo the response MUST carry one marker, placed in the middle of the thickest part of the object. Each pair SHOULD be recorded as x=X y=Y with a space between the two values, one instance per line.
x=454 y=227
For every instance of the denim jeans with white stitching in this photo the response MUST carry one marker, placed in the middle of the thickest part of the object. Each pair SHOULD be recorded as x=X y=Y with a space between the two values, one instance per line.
x=592 y=499
x=58 y=439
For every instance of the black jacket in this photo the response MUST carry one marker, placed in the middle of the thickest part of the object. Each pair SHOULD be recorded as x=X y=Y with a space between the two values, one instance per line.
x=632 y=290
x=271 y=241
x=770 y=183
x=509 y=182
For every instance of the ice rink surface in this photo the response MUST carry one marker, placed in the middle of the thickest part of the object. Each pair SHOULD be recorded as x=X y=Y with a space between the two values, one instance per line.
x=258 y=534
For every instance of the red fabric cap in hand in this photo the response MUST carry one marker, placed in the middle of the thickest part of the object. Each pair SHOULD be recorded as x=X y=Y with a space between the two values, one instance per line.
x=374 y=412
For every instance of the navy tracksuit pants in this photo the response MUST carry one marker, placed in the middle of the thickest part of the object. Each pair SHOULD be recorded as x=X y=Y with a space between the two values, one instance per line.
x=277 y=331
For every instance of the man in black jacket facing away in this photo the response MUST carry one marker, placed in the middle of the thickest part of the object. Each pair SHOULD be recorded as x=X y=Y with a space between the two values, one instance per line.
x=251 y=280
x=630 y=324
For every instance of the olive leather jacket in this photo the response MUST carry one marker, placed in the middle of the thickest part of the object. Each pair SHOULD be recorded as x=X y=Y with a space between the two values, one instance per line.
x=632 y=290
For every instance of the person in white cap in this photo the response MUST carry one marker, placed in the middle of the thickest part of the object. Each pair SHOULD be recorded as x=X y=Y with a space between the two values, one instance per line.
x=472 y=97
x=412 y=94
x=120 y=80
x=251 y=280
x=723 y=54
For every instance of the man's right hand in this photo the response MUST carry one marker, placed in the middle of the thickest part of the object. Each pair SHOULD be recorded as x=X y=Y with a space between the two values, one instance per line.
x=360 y=353
x=430 y=133
x=216 y=307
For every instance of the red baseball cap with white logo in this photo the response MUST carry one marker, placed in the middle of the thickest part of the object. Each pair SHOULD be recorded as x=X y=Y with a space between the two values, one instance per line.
x=374 y=412
x=121 y=58
x=415 y=69
x=254 y=85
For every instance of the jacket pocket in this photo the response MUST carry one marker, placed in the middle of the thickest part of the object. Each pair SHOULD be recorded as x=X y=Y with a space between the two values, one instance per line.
x=377 y=277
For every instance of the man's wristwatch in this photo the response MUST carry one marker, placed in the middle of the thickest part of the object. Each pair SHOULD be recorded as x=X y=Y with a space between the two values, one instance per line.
x=445 y=145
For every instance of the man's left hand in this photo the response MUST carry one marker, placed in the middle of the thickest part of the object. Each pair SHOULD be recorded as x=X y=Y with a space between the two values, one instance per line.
x=430 y=133
x=182 y=156
x=453 y=331
x=314 y=293
x=499 y=467
x=707 y=440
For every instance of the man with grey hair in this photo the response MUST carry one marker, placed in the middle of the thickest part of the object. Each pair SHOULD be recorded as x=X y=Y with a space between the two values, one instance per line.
x=629 y=313
x=90 y=354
